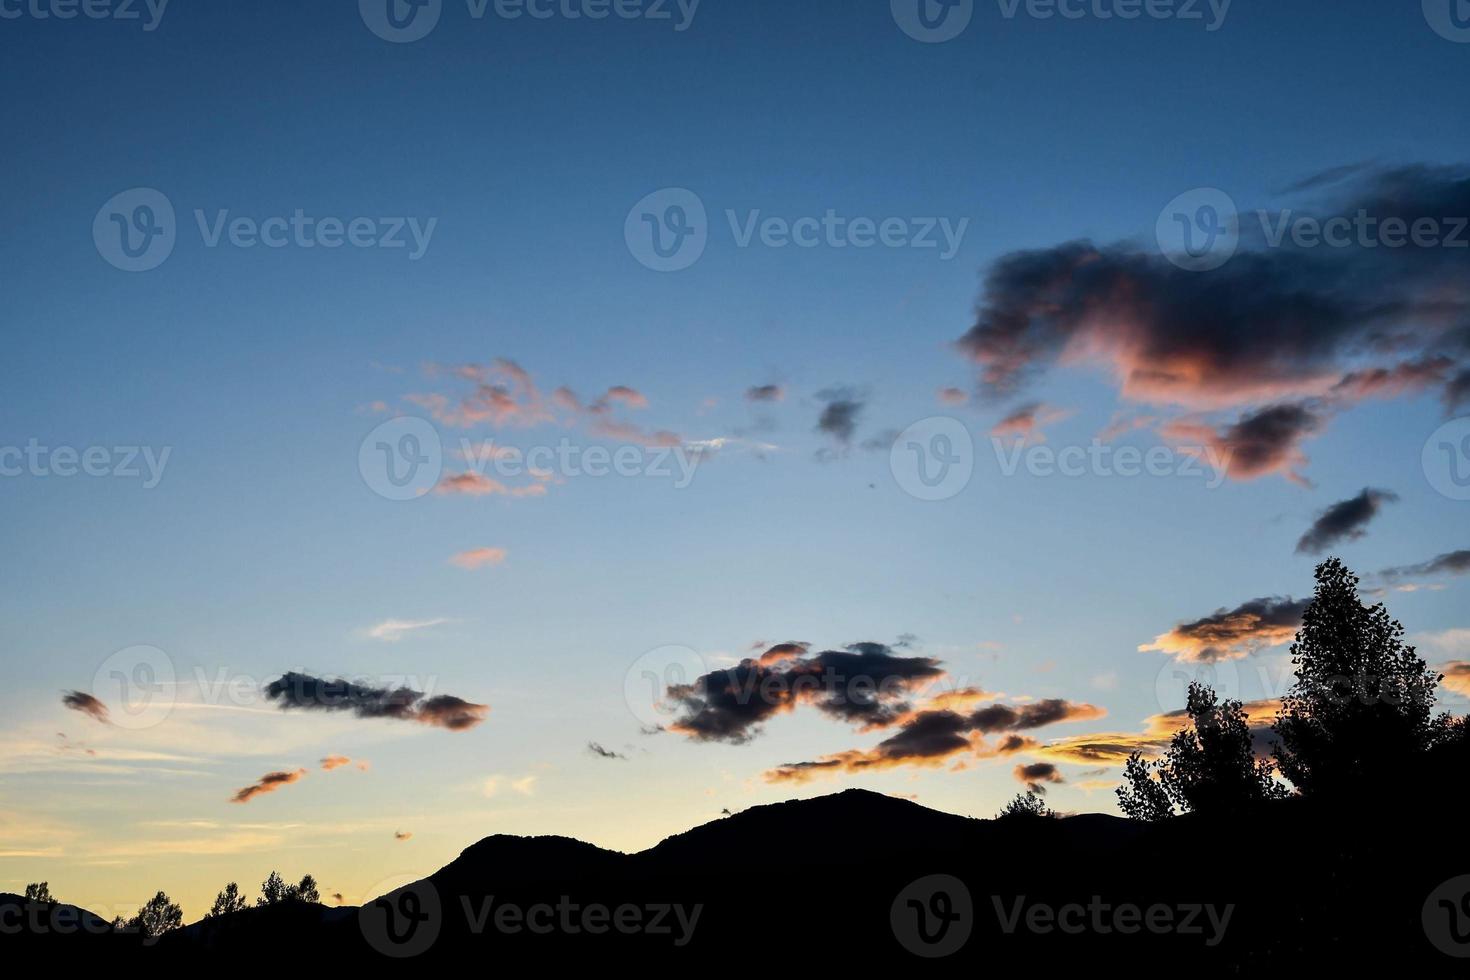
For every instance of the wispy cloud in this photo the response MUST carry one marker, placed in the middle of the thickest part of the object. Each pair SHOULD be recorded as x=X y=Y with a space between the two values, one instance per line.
x=479 y=557
x=393 y=630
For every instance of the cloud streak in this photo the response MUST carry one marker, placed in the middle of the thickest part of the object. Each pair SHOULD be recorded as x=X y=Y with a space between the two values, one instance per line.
x=303 y=692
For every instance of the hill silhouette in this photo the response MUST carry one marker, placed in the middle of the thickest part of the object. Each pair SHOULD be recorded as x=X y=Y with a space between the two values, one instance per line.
x=830 y=881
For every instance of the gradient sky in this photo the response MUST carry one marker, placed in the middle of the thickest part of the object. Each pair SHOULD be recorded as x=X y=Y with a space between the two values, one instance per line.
x=262 y=549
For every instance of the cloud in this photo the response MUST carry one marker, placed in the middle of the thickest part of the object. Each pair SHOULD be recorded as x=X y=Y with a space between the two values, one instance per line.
x=403 y=835
x=268 y=783
x=1449 y=563
x=953 y=396
x=1346 y=520
x=1114 y=748
x=1278 y=324
x=1457 y=676
x=865 y=684
x=471 y=483
x=936 y=736
x=505 y=395
x=335 y=762
x=765 y=393
x=479 y=558
x=1035 y=774
x=1028 y=421
x=1259 y=443
x=1229 y=634
x=87 y=704
x=524 y=785
x=295 y=691
x=603 y=753
x=393 y=630
x=840 y=413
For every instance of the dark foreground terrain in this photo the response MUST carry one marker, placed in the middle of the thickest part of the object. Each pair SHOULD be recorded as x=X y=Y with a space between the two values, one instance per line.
x=863 y=880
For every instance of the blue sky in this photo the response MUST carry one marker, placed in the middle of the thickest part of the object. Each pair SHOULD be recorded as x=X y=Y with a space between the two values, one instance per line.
x=527 y=142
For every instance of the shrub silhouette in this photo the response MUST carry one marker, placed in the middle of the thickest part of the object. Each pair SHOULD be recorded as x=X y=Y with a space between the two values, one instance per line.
x=1026 y=806
x=1358 y=717
x=1208 y=768
x=157 y=916
x=274 y=891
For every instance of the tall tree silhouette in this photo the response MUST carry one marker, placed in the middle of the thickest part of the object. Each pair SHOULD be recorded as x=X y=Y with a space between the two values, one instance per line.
x=228 y=901
x=1359 y=715
x=39 y=891
x=1208 y=768
x=273 y=890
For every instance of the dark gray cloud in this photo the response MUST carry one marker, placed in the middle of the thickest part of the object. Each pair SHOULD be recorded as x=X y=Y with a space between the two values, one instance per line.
x=1346 y=520
x=86 y=704
x=866 y=684
x=296 y=691
x=596 y=749
x=840 y=413
x=1035 y=774
x=765 y=393
x=1278 y=325
x=1449 y=563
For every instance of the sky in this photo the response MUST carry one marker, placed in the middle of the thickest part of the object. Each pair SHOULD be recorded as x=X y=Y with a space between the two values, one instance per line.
x=958 y=357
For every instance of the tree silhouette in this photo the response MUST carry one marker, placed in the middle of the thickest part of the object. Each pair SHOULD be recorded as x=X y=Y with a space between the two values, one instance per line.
x=1209 y=767
x=1144 y=797
x=1025 y=806
x=157 y=916
x=306 y=891
x=273 y=890
x=39 y=892
x=226 y=902
x=1360 y=711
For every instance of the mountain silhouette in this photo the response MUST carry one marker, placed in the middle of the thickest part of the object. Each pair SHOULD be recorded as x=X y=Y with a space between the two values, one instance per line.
x=831 y=881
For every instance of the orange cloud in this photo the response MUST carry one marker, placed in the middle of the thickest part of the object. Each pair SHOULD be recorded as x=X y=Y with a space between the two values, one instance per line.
x=479 y=558
x=335 y=762
x=1457 y=676
x=268 y=783
x=1229 y=634
x=472 y=484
